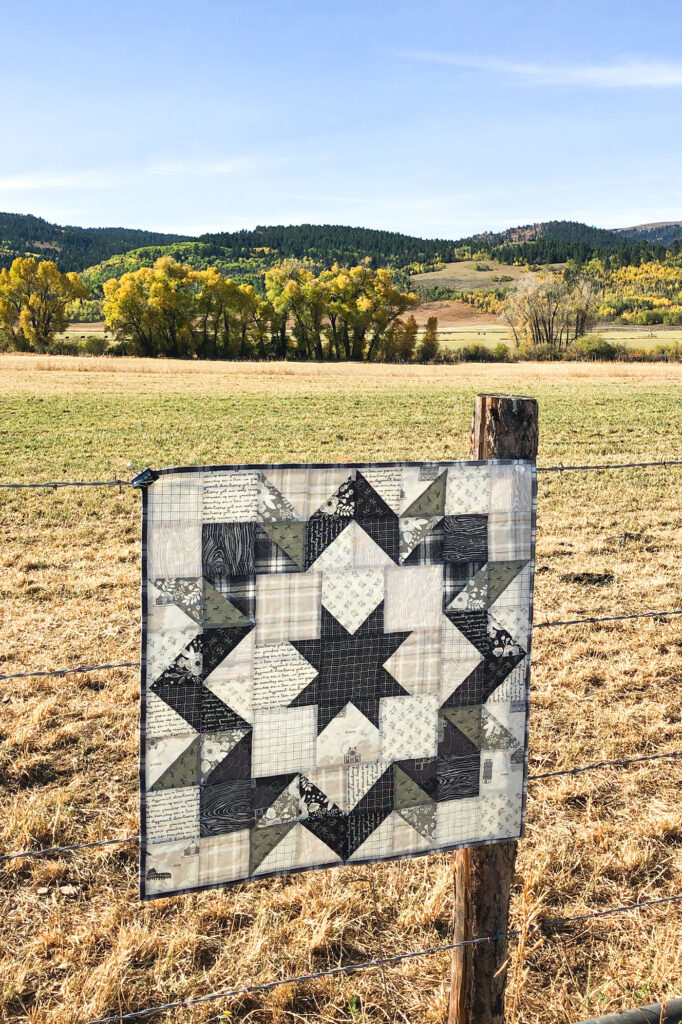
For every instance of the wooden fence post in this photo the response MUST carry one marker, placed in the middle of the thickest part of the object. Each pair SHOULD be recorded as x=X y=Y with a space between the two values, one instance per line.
x=504 y=427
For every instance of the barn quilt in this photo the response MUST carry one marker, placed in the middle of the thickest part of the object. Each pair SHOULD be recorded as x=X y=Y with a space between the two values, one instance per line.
x=335 y=665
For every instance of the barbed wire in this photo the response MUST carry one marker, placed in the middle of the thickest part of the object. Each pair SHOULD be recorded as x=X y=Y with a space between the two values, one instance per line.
x=56 y=484
x=69 y=671
x=663 y=613
x=620 y=762
x=610 y=465
x=542 y=926
x=47 y=851
x=607 y=618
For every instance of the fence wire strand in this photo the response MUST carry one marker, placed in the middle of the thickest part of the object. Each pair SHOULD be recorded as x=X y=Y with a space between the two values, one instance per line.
x=56 y=484
x=69 y=671
x=545 y=926
x=619 y=762
x=663 y=613
x=47 y=851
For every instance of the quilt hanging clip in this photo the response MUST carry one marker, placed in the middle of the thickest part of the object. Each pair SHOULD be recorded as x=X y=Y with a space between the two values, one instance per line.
x=145 y=478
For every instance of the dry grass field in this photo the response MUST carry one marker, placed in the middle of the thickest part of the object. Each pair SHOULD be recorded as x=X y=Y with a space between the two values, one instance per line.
x=74 y=942
x=463 y=275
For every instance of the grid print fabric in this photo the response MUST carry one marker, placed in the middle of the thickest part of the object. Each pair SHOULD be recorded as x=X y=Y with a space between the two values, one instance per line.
x=335 y=665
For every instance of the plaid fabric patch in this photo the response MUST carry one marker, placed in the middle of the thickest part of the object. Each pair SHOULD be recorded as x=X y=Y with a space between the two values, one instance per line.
x=269 y=556
x=288 y=606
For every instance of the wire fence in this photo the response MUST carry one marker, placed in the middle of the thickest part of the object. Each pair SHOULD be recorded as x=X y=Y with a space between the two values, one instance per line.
x=618 y=762
x=547 y=927
x=589 y=620
x=56 y=484
x=544 y=926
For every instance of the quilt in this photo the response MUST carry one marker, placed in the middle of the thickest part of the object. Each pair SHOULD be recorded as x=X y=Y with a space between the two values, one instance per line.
x=335 y=665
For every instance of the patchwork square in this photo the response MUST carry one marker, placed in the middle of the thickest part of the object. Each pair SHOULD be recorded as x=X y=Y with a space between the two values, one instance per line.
x=335 y=665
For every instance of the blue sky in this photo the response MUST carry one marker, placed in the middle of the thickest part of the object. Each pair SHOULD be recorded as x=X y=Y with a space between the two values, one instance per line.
x=433 y=118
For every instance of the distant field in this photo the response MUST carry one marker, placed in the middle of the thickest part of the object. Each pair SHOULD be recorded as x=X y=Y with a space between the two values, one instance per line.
x=463 y=275
x=74 y=942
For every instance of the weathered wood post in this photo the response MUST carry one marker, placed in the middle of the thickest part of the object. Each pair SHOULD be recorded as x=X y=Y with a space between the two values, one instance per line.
x=504 y=427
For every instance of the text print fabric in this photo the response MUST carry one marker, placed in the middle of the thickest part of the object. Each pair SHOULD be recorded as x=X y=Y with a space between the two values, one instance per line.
x=335 y=665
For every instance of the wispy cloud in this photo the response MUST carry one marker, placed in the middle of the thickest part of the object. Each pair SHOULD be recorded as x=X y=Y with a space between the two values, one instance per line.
x=627 y=74
x=204 y=168
x=43 y=181
x=112 y=177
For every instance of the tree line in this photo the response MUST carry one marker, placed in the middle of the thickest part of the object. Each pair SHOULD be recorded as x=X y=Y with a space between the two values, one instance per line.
x=174 y=310
x=71 y=248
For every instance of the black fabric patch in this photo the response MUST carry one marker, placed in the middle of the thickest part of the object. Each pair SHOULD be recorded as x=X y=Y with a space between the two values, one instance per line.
x=227 y=549
x=350 y=669
x=181 y=685
x=321 y=530
x=225 y=808
x=421 y=770
x=465 y=538
x=385 y=532
x=265 y=792
x=458 y=777
x=370 y=504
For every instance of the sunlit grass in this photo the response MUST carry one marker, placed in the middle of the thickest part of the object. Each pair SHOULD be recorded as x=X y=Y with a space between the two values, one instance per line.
x=74 y=942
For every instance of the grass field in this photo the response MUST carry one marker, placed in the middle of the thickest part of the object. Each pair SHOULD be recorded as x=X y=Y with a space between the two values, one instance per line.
x=464 y=276
x=74 y=942
x=489 y=331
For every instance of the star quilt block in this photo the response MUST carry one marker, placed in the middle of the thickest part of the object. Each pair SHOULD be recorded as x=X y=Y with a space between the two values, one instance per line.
x=335 y=665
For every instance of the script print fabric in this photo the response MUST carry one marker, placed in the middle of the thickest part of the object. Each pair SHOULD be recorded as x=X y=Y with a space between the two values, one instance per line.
x=335 y=665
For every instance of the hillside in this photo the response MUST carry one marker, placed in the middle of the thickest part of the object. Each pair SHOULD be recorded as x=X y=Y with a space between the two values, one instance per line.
x=72 y=248
x=559 y=241
x=109 y=252
x=199 y=255
x=663 y=232
x=327 y=243
x=76 y=248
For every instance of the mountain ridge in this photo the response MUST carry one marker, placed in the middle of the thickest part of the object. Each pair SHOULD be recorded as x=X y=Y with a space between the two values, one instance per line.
x=91 y=249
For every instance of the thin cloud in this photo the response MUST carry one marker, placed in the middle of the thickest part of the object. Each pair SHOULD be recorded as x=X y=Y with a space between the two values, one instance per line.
x=113 y=177
x=628 y=74
x=32 y=182
x=203 y=168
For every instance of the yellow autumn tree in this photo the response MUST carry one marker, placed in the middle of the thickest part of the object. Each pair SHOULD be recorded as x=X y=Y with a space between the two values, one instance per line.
x=34 y=295
x=154 y=309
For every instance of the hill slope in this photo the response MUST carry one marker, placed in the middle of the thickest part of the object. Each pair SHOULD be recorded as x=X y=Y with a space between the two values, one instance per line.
x=109 y=252
x=72 y=248
x=663 y=232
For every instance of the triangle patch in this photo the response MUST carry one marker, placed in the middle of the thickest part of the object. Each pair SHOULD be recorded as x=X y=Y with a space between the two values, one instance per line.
x=290 y=537
x=184 y=770
x=430 y=502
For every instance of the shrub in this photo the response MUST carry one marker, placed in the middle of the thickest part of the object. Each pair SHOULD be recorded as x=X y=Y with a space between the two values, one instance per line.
x=481 y=266
x=537 y=353
x=120 y=348
x=670 y=353
x=649 y=316
x=63 y=346
x=429 y=346
x=594 y=347
x=93 y=345
x=477 y=353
